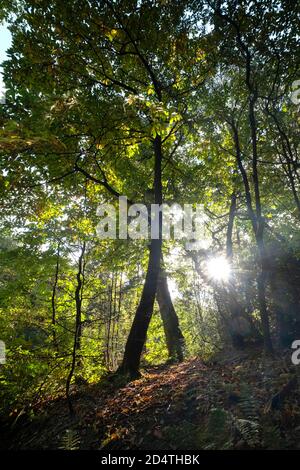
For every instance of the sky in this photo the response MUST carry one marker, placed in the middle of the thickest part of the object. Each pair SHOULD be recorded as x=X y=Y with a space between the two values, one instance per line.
x=5 y=42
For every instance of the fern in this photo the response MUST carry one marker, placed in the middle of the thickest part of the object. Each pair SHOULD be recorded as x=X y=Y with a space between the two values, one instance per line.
x=248 y=404
x=217 y=420
x=271 y=436
x=70 y=440
x=249 y=431
x=217 y=430
x=248 y=426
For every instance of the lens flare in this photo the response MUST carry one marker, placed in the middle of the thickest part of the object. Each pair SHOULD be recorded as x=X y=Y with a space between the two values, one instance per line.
x=218 y=269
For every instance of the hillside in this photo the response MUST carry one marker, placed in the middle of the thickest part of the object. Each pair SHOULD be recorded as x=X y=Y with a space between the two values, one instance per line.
x=232 y=402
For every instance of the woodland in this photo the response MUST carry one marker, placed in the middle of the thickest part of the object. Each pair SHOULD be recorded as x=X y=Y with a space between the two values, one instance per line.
x=121 y=343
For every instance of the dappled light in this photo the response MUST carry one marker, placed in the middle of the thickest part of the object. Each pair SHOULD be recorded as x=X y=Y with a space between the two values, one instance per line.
x=149 y=227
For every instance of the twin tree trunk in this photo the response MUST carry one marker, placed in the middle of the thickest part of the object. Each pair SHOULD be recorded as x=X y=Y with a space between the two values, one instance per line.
x=138 y=333
x=155 y=285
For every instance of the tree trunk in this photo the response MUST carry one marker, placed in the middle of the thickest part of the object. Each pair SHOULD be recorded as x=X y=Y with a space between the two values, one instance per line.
x=257 y=225
x=261 y=292
x=53 y=298
x=78 y=325
x=138 y=332
x=229 y=232
x=174 y=337
x=255 y=215
x=242 y=323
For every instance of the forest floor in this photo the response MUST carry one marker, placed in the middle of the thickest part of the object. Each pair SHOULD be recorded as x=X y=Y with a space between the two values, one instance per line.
x=238 y=400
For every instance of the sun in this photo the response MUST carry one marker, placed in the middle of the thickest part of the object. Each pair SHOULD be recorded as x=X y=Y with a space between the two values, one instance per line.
x=218 y=268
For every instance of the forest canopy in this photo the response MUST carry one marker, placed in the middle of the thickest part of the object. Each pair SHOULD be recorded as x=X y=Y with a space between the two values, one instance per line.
x=160 y=102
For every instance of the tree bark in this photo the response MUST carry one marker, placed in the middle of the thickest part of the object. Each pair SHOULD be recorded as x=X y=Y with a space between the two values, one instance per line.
x=257 y=225
x=138 y=332
x=174 y=337
x=53 y=298
x=229 y=232
x=259 y=235
x=78 y=325
x=255 y=215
